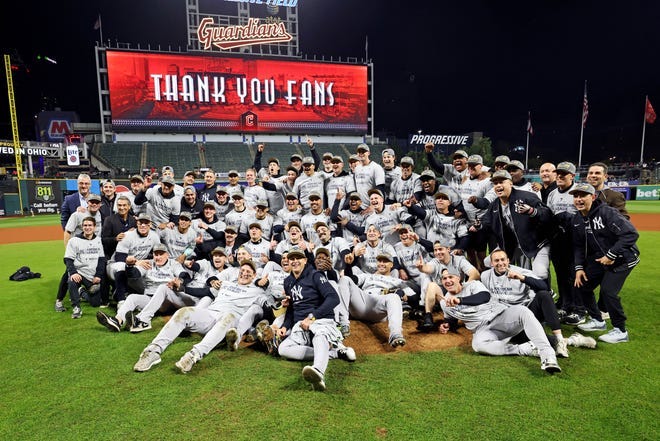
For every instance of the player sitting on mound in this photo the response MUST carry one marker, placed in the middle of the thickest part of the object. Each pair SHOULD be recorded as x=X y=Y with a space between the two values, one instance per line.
x=310 y=316
x=492 y=323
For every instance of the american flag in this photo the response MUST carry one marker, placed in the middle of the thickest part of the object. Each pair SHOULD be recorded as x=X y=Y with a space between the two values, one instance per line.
x=530 y=129
x=585 y=107
x=650 y=113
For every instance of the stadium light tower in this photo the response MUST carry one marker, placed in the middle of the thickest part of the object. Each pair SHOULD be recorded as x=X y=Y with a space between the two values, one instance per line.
x=14 y=126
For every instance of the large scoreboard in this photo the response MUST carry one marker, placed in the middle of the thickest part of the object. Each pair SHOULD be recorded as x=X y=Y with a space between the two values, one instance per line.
x=177 y=93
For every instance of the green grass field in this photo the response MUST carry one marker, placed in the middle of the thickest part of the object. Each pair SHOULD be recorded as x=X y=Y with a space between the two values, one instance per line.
x=72 y=379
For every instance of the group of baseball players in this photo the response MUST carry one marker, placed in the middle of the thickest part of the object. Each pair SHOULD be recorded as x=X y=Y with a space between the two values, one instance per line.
x=291 y=256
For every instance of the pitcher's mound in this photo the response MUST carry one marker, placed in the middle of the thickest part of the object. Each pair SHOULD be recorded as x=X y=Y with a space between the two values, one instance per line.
x=368 y=338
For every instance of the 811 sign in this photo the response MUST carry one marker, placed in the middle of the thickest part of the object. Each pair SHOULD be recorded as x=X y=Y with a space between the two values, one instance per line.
x=44 y=193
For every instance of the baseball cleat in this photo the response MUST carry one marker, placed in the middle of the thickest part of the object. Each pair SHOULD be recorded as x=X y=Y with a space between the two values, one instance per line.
x=77 y=312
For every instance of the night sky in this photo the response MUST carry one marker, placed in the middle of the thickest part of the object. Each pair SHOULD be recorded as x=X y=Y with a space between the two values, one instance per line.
x=440 y=67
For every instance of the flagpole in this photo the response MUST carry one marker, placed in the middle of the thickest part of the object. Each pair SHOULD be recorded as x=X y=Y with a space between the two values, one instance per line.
x=641 y=155
x=100 y=29
x=582 y=125
x=366 y=49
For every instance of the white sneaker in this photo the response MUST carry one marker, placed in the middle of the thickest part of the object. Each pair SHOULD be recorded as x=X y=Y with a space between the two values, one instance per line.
x=614 y=336
x=232 y=339
x=528 y=349
x=593 y=325
x=346 y=353
x=550 y=366
x=187 y=361
x=581 y=341
x=77 y=312
x=313 y=376
x=562 y=348
x=146 y=361
x=59 y=306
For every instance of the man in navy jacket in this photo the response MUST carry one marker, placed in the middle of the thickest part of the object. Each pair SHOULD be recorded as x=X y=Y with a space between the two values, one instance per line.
x=605 y=248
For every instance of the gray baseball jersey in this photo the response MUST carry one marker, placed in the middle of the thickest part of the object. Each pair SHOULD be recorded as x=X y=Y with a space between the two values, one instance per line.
x=74 y=224
x=160 y=208
x=473 y=315
x=176 y=241
x=368 y=177
x=305 y=185
x=509 y=291
x=135 y=245
x=85 y=254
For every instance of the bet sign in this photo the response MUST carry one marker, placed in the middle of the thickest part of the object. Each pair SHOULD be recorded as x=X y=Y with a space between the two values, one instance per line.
x=647 y=193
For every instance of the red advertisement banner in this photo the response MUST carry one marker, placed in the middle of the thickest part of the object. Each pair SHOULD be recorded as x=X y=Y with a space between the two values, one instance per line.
x=210 y=94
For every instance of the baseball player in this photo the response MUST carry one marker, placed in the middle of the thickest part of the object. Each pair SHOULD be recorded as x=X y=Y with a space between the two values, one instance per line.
x=353 y=214
x=310 y=317
x=208 y=228
x=386 y=217
x=368 y=175
x=231 y=301
x=203 y=272
x=453 y=173
x=163 y=279
x=163 y=205
x=72 y=228
x=492 y=323
x=520 y=224
x=366 y=253
x=180 y=241
x=512 y=285
x=85 y=263
x=338 y=247
x=267 y=307
x=258 y=247
x=138 y=244
x=240 y=215
x=376 y=297
x=605 y=246
x=315 y=214
x=560 y=202
x=253 y=192
x=308 y=183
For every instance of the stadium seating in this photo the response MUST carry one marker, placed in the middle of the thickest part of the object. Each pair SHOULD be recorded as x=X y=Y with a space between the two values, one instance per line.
x=180 y=156
x=225 y=157
x=122 y=155
x=222 y=157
